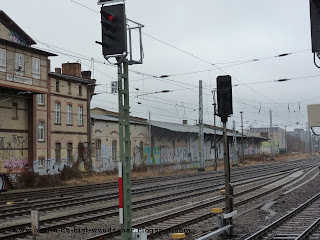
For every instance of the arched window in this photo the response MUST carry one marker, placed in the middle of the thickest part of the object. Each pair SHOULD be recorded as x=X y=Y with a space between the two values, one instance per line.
x=40 y=131
x=141 y=150
x=98 y=150
x=114 y=150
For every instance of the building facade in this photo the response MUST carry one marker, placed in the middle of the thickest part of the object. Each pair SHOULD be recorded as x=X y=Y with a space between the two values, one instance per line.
x=278 y=140
x=23 y=77
x=44 y=120
x=158 y=143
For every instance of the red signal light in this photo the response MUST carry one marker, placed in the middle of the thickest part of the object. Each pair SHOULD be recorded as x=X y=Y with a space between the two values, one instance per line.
x=111 y=17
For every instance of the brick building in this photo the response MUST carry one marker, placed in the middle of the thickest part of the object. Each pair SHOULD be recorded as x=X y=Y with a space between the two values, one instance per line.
x=44 y=115
x=23 y=74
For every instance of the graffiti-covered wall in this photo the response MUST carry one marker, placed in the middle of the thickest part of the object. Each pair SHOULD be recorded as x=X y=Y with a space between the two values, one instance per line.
x=171 y=148
x=13 y=134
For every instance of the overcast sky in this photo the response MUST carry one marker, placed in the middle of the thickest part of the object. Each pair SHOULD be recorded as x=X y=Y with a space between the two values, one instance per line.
x=191 y=41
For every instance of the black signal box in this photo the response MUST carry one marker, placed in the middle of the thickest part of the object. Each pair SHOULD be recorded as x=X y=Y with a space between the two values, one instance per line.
x=224 y=95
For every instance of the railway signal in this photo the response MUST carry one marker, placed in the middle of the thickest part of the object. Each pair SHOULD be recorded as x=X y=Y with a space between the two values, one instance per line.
x=315 y=24
x=224 y=89
x=113 y=24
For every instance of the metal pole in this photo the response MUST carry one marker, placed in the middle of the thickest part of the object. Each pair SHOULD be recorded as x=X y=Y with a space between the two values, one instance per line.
x=242 y=143
x=200 y=134
x=271 y=137
x=229 y=192
x=234 y=149
x=150 y=129
x=285 y=138
x=215 y=132
x=125 y=146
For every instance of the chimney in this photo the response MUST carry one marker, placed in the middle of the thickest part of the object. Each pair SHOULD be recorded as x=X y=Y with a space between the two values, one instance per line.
x=86 y=74
x=57 y=70
x=185 y=122
x=71 y=69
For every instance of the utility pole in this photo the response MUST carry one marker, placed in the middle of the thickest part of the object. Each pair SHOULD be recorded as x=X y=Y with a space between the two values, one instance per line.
x=235 y=155
x=271 y=138
x=200 y=134
x=215 y=165
x=307 y=138
x=150 y=136
x=242 y=143
x=150 y=129
x=285 y=138
x=124 y=144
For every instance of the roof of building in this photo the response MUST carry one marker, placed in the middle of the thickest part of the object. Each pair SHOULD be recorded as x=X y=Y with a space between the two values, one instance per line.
x=115 y=119
x=26 y=48
x=177 y=127
x=71 y=78
x=111 y=113
x=11 y=25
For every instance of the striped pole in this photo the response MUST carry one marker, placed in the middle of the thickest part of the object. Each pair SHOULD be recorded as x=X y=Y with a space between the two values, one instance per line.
x=120 y=193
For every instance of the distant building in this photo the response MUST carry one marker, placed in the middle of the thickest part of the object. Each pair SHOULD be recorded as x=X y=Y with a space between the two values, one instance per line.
x=279 y=139
x=168 y=144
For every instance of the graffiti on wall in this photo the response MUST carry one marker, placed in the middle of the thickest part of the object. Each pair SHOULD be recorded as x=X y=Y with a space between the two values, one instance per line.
x=10 y=148
x=16 y=165
x=11 y=153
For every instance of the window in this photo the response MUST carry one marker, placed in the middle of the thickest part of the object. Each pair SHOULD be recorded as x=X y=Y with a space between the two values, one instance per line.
x=41 y=131
x=58 y=152
x=40 y=99
x=41 y=162
x=19 y=64
x=98 y=150
x=69 y=87
x=114 y=150
x=141 y=150
x=3 y=59
x=80 y=89
x=69 y=114
x=69 y=152
x=57 y=86
x=80 y=115
x=14 y=111
x=36 y=68
x=57 y=113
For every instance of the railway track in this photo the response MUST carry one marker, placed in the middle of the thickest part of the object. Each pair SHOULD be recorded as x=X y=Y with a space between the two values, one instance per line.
x=63 y=202
x=112 y=211
x=179 y=219
x=62 y=193
x=6 y=212
x=301 y=223
x=44 y=206
x=98 y=214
